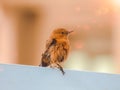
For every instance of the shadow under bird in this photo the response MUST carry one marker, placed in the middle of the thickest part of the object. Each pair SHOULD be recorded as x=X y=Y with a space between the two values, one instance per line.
x=57 y=49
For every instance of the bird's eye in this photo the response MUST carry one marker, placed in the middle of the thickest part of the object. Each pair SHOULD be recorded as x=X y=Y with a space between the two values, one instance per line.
x=62 y=32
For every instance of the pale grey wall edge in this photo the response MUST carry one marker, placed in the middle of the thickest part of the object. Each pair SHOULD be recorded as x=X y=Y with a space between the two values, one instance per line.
x=18 y=77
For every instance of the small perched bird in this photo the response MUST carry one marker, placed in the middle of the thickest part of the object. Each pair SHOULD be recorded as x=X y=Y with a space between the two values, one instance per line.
x=57 y=49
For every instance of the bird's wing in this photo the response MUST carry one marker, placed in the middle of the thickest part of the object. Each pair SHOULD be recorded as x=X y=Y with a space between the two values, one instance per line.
x=46 y=55
x=50 y=43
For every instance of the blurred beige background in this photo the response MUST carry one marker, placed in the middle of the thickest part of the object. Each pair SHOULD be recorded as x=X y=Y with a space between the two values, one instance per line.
x=25 y=25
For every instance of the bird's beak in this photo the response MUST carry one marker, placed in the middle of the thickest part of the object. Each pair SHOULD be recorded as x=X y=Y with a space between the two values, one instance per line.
x=70 y=32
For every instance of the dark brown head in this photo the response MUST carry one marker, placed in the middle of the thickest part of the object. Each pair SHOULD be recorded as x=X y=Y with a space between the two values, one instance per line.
x=60 y=33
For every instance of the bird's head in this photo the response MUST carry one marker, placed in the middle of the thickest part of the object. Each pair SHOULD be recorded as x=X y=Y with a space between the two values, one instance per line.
x=60 y=33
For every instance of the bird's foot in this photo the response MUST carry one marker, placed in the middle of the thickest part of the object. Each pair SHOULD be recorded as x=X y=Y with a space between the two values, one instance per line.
x=61 y=69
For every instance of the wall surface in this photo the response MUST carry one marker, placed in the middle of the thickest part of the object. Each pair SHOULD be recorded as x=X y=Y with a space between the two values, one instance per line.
x=20 y=77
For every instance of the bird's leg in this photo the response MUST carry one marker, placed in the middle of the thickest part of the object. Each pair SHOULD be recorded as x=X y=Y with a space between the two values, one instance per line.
x=61 y=69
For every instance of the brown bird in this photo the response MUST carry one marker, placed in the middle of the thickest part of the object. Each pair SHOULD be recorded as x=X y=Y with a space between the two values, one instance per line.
x=57 y=49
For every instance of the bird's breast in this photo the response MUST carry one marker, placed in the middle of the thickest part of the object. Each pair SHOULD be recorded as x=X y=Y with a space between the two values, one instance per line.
x=61 y=51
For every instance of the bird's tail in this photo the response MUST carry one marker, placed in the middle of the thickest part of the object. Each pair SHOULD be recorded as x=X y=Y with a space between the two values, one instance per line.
x=44 y=64
x=45 y=60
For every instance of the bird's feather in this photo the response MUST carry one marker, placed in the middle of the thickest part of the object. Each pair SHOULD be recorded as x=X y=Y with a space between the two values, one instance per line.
x=59 y=52
x=46 y=56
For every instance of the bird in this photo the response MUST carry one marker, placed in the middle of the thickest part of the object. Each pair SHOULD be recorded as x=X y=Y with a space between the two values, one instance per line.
x=57 y=49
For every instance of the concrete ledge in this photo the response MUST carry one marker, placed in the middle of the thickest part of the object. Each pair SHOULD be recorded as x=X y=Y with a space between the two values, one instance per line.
x=20 y=77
